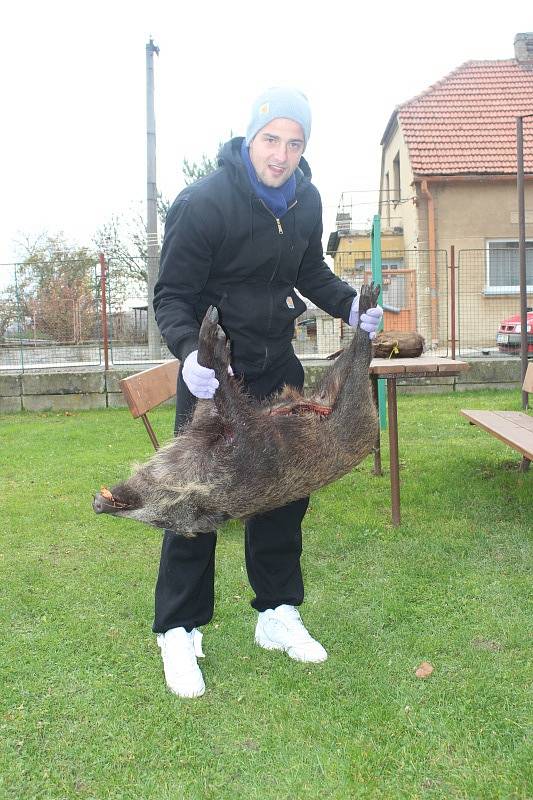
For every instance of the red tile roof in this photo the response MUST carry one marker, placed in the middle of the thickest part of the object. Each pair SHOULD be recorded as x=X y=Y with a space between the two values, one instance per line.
x=466 y=123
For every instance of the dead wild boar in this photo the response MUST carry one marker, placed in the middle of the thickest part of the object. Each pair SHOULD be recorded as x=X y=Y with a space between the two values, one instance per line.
x=238 y=457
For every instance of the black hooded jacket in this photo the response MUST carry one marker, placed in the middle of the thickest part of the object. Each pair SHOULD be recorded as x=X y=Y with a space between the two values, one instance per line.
x=223 y=247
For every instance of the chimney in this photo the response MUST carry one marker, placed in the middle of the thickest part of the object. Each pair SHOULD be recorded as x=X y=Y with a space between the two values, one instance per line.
x=523 y=49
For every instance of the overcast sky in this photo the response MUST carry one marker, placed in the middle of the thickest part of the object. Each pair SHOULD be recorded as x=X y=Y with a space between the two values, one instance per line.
x=73 y=139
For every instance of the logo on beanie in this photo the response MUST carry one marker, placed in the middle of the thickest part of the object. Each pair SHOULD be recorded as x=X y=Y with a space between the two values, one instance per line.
x=264 y=108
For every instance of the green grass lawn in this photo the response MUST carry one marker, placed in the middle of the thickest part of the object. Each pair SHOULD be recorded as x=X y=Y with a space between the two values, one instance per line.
x=84 y=712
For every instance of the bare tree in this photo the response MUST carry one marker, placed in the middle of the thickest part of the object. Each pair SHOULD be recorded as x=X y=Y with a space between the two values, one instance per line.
x=55 y=287
x=122 y=240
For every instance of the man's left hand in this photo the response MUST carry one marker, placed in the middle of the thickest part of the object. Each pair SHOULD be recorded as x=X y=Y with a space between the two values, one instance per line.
x=370 y=319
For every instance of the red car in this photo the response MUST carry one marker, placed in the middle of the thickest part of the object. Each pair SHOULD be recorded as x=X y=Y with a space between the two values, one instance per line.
x=508 y=336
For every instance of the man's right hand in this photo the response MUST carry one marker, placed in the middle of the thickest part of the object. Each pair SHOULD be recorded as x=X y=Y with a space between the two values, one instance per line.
x=200 y=381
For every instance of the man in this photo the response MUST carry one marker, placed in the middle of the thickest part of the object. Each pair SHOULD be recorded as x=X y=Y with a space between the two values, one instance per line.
x=242 y=239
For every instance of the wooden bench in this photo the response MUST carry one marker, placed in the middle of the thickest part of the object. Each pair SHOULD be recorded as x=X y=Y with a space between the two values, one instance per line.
x=514 y=428
x=148 y=389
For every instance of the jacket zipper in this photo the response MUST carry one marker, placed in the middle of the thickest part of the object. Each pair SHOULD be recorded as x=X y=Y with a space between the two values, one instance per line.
x=278 y=221
x=280 y=231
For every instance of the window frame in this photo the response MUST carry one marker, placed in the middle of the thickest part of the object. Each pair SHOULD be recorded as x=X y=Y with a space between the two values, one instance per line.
x=396 y=179
x=506 y=289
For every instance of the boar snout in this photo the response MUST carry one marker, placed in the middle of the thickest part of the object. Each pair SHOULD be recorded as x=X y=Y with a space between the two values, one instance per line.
x=103 y=506
x=120 y=499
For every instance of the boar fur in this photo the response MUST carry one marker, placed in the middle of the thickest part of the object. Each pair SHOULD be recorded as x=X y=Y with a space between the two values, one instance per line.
x=238 y=457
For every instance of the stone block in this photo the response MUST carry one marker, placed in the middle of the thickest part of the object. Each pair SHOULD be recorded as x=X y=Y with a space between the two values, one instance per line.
x=434 y=380
x=63 y=402
x=434 y=388
x=10 y=385
x=68 y=383
x=113 y=377
x=116 y=400
x=10 y=404
x=471 y=387
x=432 y=385
x=72 y=390
x=491 y=371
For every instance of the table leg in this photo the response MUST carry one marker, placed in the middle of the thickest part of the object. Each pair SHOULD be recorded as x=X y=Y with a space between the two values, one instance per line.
x=377 y=447
x=393 y=447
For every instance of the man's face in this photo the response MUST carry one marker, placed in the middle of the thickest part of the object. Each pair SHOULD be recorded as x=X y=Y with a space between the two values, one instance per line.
x=275 y=151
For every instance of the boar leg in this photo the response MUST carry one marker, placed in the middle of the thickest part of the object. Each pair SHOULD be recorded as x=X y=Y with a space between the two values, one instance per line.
x=232 y=406
x=353 y=363
x=213 y=351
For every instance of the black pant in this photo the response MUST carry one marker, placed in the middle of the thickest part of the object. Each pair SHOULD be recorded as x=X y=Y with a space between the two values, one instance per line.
x=184 y=594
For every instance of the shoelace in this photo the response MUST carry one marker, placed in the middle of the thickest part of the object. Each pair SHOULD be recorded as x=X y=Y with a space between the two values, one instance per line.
x=195 y=650
x=291 y=620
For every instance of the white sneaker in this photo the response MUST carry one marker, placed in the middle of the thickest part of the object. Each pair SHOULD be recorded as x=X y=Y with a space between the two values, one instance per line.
x=282 y=628
x=179 y=650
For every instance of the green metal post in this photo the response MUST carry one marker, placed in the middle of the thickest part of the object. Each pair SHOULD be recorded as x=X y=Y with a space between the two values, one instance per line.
x=375 y=260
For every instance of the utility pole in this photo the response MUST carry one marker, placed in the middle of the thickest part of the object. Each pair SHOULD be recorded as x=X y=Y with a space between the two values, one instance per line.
x=152 y=243
x=522 y=248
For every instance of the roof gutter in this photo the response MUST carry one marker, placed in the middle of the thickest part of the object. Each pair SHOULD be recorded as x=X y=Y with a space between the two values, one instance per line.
x=432 y=259
x=391 y=124
x=480 y=177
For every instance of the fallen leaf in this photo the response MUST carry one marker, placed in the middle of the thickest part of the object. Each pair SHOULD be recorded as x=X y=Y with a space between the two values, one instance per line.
x=424 y=670
x=106 y=493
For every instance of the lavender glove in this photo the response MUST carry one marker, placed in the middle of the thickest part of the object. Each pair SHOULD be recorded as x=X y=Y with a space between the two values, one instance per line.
x=370 y=320
x=200 y=381
x=354 y=313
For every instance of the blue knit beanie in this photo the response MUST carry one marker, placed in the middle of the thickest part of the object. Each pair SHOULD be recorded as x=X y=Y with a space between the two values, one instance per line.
x=280 y=102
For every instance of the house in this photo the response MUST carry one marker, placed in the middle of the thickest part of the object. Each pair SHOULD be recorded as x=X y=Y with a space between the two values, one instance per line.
x=449 y=177
x=351 y=251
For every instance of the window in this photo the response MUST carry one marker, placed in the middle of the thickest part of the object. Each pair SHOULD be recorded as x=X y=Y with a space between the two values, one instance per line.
x=362 y=263
x=503 y=268
x=391 y=263
x=387 y=198
x=396 y=178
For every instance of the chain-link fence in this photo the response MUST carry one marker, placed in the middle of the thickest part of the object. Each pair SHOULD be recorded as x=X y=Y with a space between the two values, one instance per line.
x=51 y=317
x=488 y=301
x=128 y=316
x=414 y=291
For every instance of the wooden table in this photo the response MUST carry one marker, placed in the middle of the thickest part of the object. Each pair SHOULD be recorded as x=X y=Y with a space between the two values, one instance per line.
x=391 y=369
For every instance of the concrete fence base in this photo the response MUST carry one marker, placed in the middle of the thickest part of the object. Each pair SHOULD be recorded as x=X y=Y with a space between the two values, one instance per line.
x=64 y=390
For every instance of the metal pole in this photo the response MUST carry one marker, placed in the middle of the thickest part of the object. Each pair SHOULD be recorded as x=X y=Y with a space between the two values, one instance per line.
x=452 y=297
x=105 y=338
x=377 y=277
x=522 y=250
x=20 y=319
x=152 y=242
